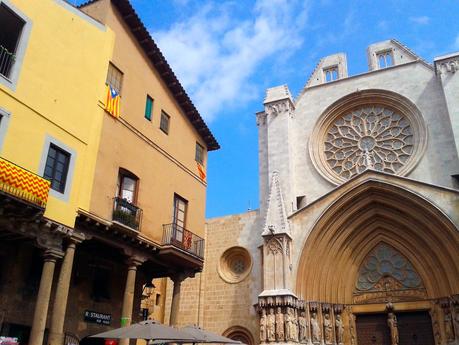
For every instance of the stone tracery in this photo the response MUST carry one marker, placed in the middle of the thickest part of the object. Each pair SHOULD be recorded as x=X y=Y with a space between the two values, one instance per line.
x=374 y=137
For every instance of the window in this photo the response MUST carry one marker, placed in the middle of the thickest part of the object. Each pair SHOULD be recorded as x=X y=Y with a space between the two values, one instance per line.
x=385 y=59
x=179 y=221
x=331 y=74
x=199 y=154
x=164 y=124
x=12 y=26
x=114 y=78
x=57 y=167
x=148 y=108
x=127 y=186
x=158 y=299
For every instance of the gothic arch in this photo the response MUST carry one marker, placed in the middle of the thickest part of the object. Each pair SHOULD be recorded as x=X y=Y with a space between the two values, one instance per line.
x=239 y=333
x=371 y=213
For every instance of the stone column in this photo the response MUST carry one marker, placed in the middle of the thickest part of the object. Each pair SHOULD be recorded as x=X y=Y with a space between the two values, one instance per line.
x=175 y=305
x=56 y=334
x=128 y=300
x=41 y=307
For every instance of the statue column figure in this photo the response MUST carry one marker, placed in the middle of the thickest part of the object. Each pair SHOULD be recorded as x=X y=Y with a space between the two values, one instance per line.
x=280 y=329
x=263 y=326
x=392 y=323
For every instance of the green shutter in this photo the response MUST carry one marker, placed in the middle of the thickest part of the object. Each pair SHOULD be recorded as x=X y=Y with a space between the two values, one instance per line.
x=148 y=108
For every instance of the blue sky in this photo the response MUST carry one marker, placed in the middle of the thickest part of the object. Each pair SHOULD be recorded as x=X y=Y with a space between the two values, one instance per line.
x=226 y=53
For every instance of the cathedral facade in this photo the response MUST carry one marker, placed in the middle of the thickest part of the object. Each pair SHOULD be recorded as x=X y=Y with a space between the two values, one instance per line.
x=356 y=240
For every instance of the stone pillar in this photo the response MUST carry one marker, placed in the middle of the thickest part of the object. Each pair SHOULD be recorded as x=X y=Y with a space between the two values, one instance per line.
x=41 y=307
x=128 y=300
x=56 y=334
x=175 y=305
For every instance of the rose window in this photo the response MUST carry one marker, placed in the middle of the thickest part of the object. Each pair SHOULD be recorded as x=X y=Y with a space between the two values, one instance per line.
x=373 y=137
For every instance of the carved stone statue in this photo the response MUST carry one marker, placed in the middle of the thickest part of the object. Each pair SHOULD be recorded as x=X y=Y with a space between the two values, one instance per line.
x=295 y=325
x=449 y=331
x=339 y=329
x=316 y=334
x=280 y=336
x=392 y=323
x=263 y=326
x=270 y=325
x=289 y=320
x=328 y=329
x=352 y=328
x=303 y=328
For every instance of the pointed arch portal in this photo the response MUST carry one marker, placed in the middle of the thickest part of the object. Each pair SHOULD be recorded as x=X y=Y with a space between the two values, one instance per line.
x=373 y=214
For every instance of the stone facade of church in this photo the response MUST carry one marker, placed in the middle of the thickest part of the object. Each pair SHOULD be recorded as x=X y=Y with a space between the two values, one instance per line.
x=356 y=240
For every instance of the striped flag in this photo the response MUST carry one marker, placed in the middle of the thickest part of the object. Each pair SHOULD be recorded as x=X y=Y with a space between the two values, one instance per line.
x=201 y=171
x=112 y=102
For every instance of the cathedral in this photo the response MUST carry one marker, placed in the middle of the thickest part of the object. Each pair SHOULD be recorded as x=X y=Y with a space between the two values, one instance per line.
x=356 y=241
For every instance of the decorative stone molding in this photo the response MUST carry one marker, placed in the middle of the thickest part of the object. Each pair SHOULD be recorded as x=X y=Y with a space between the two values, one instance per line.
x=279 y=108
x=235 y=265
x=261 y=118
x=447 y=64
x=372 y=129
x=276 y=217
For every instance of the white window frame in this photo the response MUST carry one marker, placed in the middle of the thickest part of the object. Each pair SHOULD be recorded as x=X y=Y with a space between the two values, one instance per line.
x=4 y=121
x=44 y=156
x=12 y=81
x=385 y=53
x=331 y=69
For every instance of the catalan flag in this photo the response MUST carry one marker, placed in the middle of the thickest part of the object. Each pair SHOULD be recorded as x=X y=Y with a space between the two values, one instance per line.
x=112 y=102
x=202 y=173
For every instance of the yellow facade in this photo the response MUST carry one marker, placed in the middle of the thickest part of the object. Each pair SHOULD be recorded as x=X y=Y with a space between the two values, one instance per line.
x=55 y=100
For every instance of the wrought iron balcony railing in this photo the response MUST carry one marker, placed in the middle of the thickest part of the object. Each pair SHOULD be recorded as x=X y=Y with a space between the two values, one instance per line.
x=127 y=213
x=182 y=238
x=7 y=60
x=23 y=184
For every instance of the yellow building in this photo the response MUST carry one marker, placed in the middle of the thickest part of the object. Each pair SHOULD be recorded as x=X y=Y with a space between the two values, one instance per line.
x=52 y=73
x=126 y=198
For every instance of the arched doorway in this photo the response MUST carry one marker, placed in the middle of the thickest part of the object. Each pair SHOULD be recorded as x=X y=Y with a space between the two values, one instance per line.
x=382 y=253
x=239 y=333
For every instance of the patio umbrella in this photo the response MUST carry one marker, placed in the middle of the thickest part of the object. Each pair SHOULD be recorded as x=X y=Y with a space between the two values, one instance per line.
x=207 y=337
x=149 y=330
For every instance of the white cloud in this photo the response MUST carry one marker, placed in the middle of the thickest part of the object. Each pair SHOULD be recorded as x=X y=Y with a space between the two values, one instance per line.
x=215 y=54
x=456 y=43
x=421 y=20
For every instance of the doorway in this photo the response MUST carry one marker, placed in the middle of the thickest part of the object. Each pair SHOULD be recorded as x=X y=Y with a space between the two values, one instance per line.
x=415 y=328
x=372 y=329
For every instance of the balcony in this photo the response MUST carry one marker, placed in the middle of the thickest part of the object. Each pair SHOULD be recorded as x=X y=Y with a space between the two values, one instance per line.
x=184 y=239
x=7 y=60
x=126 y=213
x=23 y=185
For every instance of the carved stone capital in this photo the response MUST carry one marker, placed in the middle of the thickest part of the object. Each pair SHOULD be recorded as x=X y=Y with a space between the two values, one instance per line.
x=261 y=118
x=281 y=107
x=447 y=65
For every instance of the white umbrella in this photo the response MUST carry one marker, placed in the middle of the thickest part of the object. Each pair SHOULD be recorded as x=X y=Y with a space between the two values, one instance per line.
x=208 y=337
x=150 y=330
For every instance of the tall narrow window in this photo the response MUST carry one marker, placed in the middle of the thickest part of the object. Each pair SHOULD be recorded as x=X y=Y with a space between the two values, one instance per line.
x=385 y=59
x=164 y=124
x=57 y=167
x=114 y=78
x=199 y=154
x=127 y=186
x=179 y=221
x=148 y=108
x=10 y=33
x=331 y=74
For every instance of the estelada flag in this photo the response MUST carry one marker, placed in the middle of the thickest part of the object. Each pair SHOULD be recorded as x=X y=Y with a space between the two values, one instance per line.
x=202 y=173
x=112 y=102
